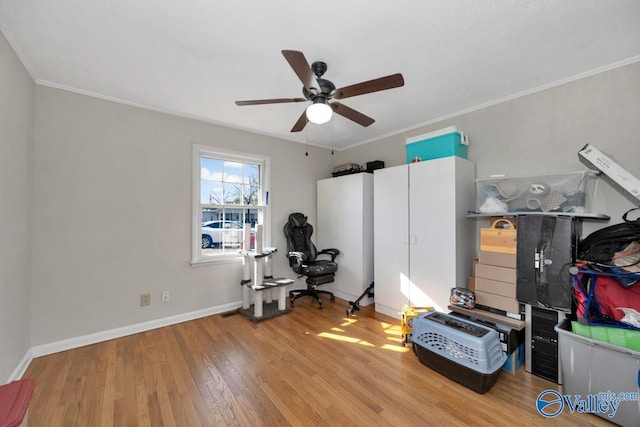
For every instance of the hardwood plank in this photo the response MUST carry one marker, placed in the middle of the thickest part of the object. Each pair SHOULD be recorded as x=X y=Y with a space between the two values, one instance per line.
x=309 y=367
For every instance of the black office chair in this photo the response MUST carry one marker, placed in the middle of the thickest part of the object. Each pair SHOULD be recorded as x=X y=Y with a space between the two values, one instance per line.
x=303 y=254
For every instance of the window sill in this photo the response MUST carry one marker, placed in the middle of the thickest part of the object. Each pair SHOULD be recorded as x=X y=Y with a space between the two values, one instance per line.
x=231 y=259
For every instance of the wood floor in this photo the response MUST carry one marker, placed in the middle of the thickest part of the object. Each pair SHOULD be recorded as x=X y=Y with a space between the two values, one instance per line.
x=310 y=367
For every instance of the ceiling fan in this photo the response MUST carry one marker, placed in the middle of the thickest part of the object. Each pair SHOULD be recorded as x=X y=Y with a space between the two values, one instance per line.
x=320 y=91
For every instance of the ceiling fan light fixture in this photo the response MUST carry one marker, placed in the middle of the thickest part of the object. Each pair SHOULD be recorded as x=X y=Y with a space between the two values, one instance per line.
x=319 y=112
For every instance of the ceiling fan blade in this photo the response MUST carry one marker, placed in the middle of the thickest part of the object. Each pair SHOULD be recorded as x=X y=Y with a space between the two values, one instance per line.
x=375 y=85
x=351 y=114
x=302 y=69
x=270 y=101
x=301 y=123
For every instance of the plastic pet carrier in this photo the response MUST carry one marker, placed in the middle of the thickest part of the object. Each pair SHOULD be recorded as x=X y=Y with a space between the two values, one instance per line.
x=465 y=352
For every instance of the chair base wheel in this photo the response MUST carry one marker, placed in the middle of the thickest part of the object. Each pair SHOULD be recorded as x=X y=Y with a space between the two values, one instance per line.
x=311 y=291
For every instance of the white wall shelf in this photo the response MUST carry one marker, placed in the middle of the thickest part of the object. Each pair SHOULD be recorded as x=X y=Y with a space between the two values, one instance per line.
x=592 y=216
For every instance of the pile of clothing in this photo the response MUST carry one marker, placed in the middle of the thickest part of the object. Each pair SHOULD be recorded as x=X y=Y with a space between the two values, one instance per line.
x=608 y=272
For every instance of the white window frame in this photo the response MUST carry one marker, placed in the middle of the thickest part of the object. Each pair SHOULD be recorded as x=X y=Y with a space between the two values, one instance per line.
x=199 y=151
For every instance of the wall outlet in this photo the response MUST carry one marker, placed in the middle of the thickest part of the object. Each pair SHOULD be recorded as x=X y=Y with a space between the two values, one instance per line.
x=145 y=299
x=165 y=296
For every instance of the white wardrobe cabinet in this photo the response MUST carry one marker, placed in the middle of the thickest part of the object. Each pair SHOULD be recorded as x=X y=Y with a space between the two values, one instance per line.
x=423 y=243
x=345 y=222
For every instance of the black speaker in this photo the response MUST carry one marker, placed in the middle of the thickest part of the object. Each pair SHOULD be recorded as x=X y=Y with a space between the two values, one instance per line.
x=374 y=165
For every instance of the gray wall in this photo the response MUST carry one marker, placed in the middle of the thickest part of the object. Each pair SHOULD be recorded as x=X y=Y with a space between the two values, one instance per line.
x=16 y=113
x=112 y=213
x=541 y=133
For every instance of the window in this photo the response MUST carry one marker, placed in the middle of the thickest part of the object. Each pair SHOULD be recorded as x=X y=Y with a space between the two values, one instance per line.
x=230 y=190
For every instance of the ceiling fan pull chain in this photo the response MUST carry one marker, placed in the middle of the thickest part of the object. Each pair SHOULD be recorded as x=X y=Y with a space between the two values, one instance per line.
x=332 y=140
x=306 y=142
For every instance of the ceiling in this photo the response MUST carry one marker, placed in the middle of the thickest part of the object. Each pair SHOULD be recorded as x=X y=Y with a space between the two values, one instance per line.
x=194 y=58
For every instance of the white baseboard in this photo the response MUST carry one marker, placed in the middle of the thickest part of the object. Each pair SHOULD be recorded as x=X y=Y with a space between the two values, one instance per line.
x=55 y=347
x=22 y=366
x=396 y=314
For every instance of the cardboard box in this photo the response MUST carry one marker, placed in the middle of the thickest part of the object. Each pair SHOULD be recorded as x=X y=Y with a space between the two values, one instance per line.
x=497 y=301
x=495 y=287
x=628 y=184
x=493 y=272
x=406 y=321
x=471 y=281
x=498 y=259
x=500 y=237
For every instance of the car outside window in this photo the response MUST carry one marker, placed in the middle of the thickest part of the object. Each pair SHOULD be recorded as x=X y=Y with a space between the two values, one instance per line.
x=230 y=190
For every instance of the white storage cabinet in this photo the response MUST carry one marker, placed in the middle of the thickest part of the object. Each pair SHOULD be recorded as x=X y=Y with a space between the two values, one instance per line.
x=424 y=243
x=345 y=222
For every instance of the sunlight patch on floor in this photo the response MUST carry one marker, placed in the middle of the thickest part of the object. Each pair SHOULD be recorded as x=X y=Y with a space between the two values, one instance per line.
x=348 y=322
x=398 y=348
x=391 y=329
x=345 y=339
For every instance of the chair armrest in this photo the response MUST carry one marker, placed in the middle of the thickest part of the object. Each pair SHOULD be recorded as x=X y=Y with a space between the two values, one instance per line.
x=332 y=252
x=297 y=257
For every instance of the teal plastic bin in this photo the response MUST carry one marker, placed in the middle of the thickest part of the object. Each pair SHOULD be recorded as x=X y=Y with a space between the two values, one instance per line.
x=434 y=145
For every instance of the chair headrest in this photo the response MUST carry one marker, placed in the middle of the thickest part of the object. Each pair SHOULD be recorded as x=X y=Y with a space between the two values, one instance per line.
x=297 y=219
